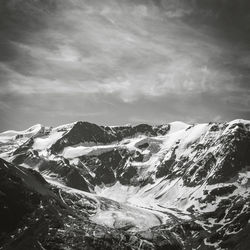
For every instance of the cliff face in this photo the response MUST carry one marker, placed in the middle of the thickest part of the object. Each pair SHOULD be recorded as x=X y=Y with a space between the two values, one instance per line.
x=149 y=187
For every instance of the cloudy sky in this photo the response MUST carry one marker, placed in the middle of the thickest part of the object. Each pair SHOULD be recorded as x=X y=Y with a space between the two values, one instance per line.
x=123 y=61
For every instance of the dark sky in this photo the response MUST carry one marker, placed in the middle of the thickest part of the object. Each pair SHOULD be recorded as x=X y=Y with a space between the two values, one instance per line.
x=123 y=61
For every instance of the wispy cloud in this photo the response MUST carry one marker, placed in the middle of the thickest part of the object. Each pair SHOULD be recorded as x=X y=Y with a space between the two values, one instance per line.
x=126 y=50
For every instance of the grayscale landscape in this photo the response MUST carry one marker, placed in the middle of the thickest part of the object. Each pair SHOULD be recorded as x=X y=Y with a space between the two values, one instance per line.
x=124 y=124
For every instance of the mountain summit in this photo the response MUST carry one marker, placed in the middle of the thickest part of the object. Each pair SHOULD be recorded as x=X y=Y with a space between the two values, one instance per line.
x=85 y=186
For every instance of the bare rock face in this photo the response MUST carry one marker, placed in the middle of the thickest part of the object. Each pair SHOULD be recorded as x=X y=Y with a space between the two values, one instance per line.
x=174 y=186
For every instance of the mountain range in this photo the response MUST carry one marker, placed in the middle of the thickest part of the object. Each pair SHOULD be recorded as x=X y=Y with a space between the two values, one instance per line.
x=85 y=186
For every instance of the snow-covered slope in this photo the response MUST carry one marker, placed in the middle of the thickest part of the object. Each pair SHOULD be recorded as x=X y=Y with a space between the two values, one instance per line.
x=196 y=173
x=12 y=134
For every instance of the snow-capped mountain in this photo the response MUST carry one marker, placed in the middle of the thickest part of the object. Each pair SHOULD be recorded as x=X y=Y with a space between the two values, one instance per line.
x=84 y=186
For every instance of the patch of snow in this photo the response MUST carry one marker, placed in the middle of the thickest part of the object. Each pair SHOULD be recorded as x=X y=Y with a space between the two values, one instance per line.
x=177 y=126
x=132 y=143
x=245 y=122
x=191 y=136
x=46 y=142
x=73 y=152
x=11 y=134
x=214 y=245
x=64 y=127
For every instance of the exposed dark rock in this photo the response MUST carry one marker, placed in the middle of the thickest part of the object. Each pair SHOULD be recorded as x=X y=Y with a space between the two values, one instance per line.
x=128 y=174
x=166 y=167
x=83 y=132
x=17 y=200
x=75 y=180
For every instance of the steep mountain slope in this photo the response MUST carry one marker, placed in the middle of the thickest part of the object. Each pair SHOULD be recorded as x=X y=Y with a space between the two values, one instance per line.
x=189 y=184
x=37 y=215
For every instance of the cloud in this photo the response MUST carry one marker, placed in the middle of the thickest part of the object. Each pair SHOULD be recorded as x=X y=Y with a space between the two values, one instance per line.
x=131 y=51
